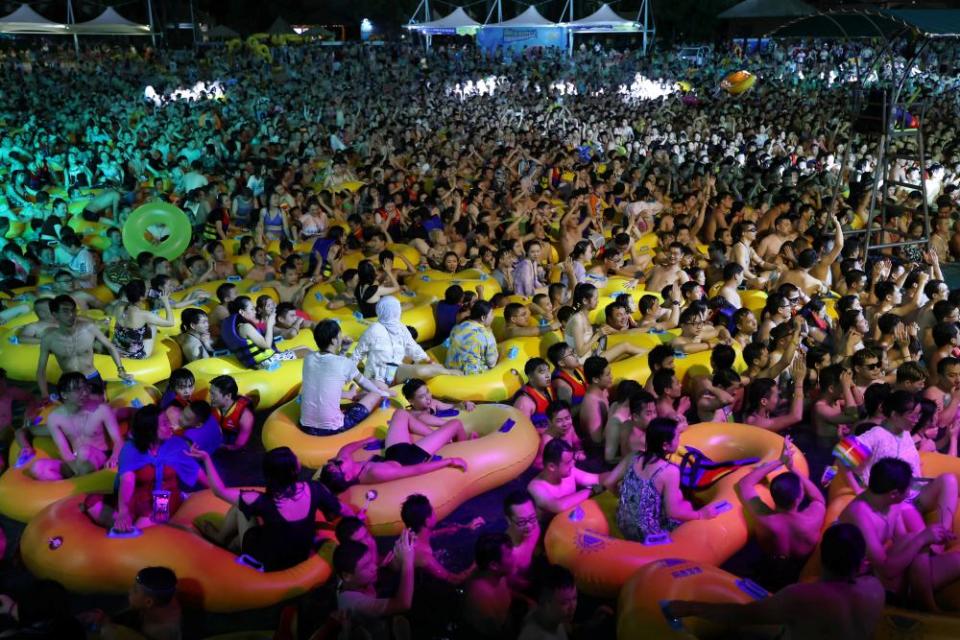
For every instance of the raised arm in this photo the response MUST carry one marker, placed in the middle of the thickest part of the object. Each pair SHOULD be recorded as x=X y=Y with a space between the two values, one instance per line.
x=213 y=476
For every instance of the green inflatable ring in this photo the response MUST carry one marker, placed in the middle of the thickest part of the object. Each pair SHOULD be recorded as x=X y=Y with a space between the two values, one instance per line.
x=137 y=227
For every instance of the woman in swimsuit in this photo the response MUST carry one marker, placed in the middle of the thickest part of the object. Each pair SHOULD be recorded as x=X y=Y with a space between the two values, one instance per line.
x=131 y=334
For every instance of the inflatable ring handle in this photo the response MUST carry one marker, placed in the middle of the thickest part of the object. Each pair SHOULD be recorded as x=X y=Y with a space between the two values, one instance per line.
x=153 y=213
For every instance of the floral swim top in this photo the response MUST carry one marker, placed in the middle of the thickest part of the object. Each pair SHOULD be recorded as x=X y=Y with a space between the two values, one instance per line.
x=641 y=512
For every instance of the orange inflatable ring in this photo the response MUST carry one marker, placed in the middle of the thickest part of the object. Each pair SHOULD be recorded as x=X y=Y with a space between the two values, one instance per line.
x=63 y=544
x=738 y=82
x=586 y=540
x=281 y=430
x=639 y=614
x=22 y=497
x=506 y=447
x=919 y=624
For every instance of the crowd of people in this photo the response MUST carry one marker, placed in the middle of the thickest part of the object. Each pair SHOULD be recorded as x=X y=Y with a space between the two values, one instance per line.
x=562 y=176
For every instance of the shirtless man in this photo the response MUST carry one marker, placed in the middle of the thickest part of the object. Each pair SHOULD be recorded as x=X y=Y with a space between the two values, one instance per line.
x=946 y=393
x=836 y=410
x=669 y=271
x=79 y=427
x=732 y=279
x=629 y=436
x=261 y=271
x=561 y=486
x=782 y=233
x=742 y=253
x=787 y=533
x=812 y=274
x=226 y=293
x=291 y=288
x=841 y=604
x=596 y=401
x=71 y=343
x=897 y=539
x=523 y=528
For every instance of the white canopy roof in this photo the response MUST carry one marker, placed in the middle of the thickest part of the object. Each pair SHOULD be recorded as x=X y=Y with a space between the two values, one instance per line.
x=529 y=18
x=458 y=19
x=110 y=23
x=604 y=18
x=25 y=20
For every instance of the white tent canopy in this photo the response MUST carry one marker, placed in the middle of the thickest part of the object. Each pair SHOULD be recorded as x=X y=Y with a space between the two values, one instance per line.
x=458 y=19
x=27 y=21
x=529 y=18
x=604 y=19
x=110 y=23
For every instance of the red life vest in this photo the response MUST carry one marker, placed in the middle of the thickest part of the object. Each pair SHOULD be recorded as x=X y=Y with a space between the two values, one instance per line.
x=577 y=382
x=540 y=401
x=230 y=421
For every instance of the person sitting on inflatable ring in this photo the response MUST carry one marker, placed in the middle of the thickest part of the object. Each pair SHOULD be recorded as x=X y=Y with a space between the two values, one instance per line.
x=401 y=457
x=233 y=411
x=843 y=603
x=561 y=486
x=533 y=398
x=141 y=500
x=255 y=350
x=279 y=541
x=651 y=503
x=789 y=532
x=85 y=431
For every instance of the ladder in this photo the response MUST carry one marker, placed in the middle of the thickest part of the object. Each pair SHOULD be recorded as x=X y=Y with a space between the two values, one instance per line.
x=914 y=153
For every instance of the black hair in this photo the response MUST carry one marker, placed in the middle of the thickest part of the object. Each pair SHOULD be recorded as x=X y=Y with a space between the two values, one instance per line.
x=347 y=556
x=415 y=512
x=160 y=583
x=552 y=579
x=662 y=379
x=143 y=427
x=411 y=386
x=325 y=333
x=890 y=474
x=346 y=527
x=658 y=355
x=480 y=309
x=533 y=364
x=226 y=385
x=280 y=471
x=553 y=451
x=785 y=489
x=556 y=351
x=900 y=401
x=594 y=367
x=189 y=317
x=489 y=548
x=660 y=432
x=516 y=498
x=843 y=549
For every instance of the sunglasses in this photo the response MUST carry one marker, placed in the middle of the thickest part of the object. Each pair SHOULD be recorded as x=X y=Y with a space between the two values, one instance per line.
x=872 y=365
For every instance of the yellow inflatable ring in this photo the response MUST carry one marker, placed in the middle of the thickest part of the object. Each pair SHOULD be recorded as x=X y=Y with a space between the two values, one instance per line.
x=499 y=384
x=281 y=430
x=20 y=361
x=506 y=448
x=151 y=214
x=421 y=316
x=266 y=388
x=738 y=82
x=426 y=285
x=586 y=540
x=63 y=544
x=638 y=610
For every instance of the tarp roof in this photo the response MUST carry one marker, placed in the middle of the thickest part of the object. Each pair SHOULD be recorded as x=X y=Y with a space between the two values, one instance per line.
x=529 y=18
x=604 y=18
x=222 y=32
x=110 y=23
x=457 y=19
x=281 y=27
x=752 y=9
x=25 y=20
x=874 y=23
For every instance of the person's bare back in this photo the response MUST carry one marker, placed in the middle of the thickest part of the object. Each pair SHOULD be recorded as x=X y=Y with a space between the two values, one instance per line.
x=844 y=609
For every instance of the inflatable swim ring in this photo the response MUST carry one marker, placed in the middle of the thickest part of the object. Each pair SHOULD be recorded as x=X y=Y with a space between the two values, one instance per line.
x=281 y=430
x=738 y=82
x=506 y=448
x=152 y=214
x=63 y=544
x=20 y=361
x=639 y=614
x=586 y=539
x=499 y=384
x=428 y=285
x=266 y=388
